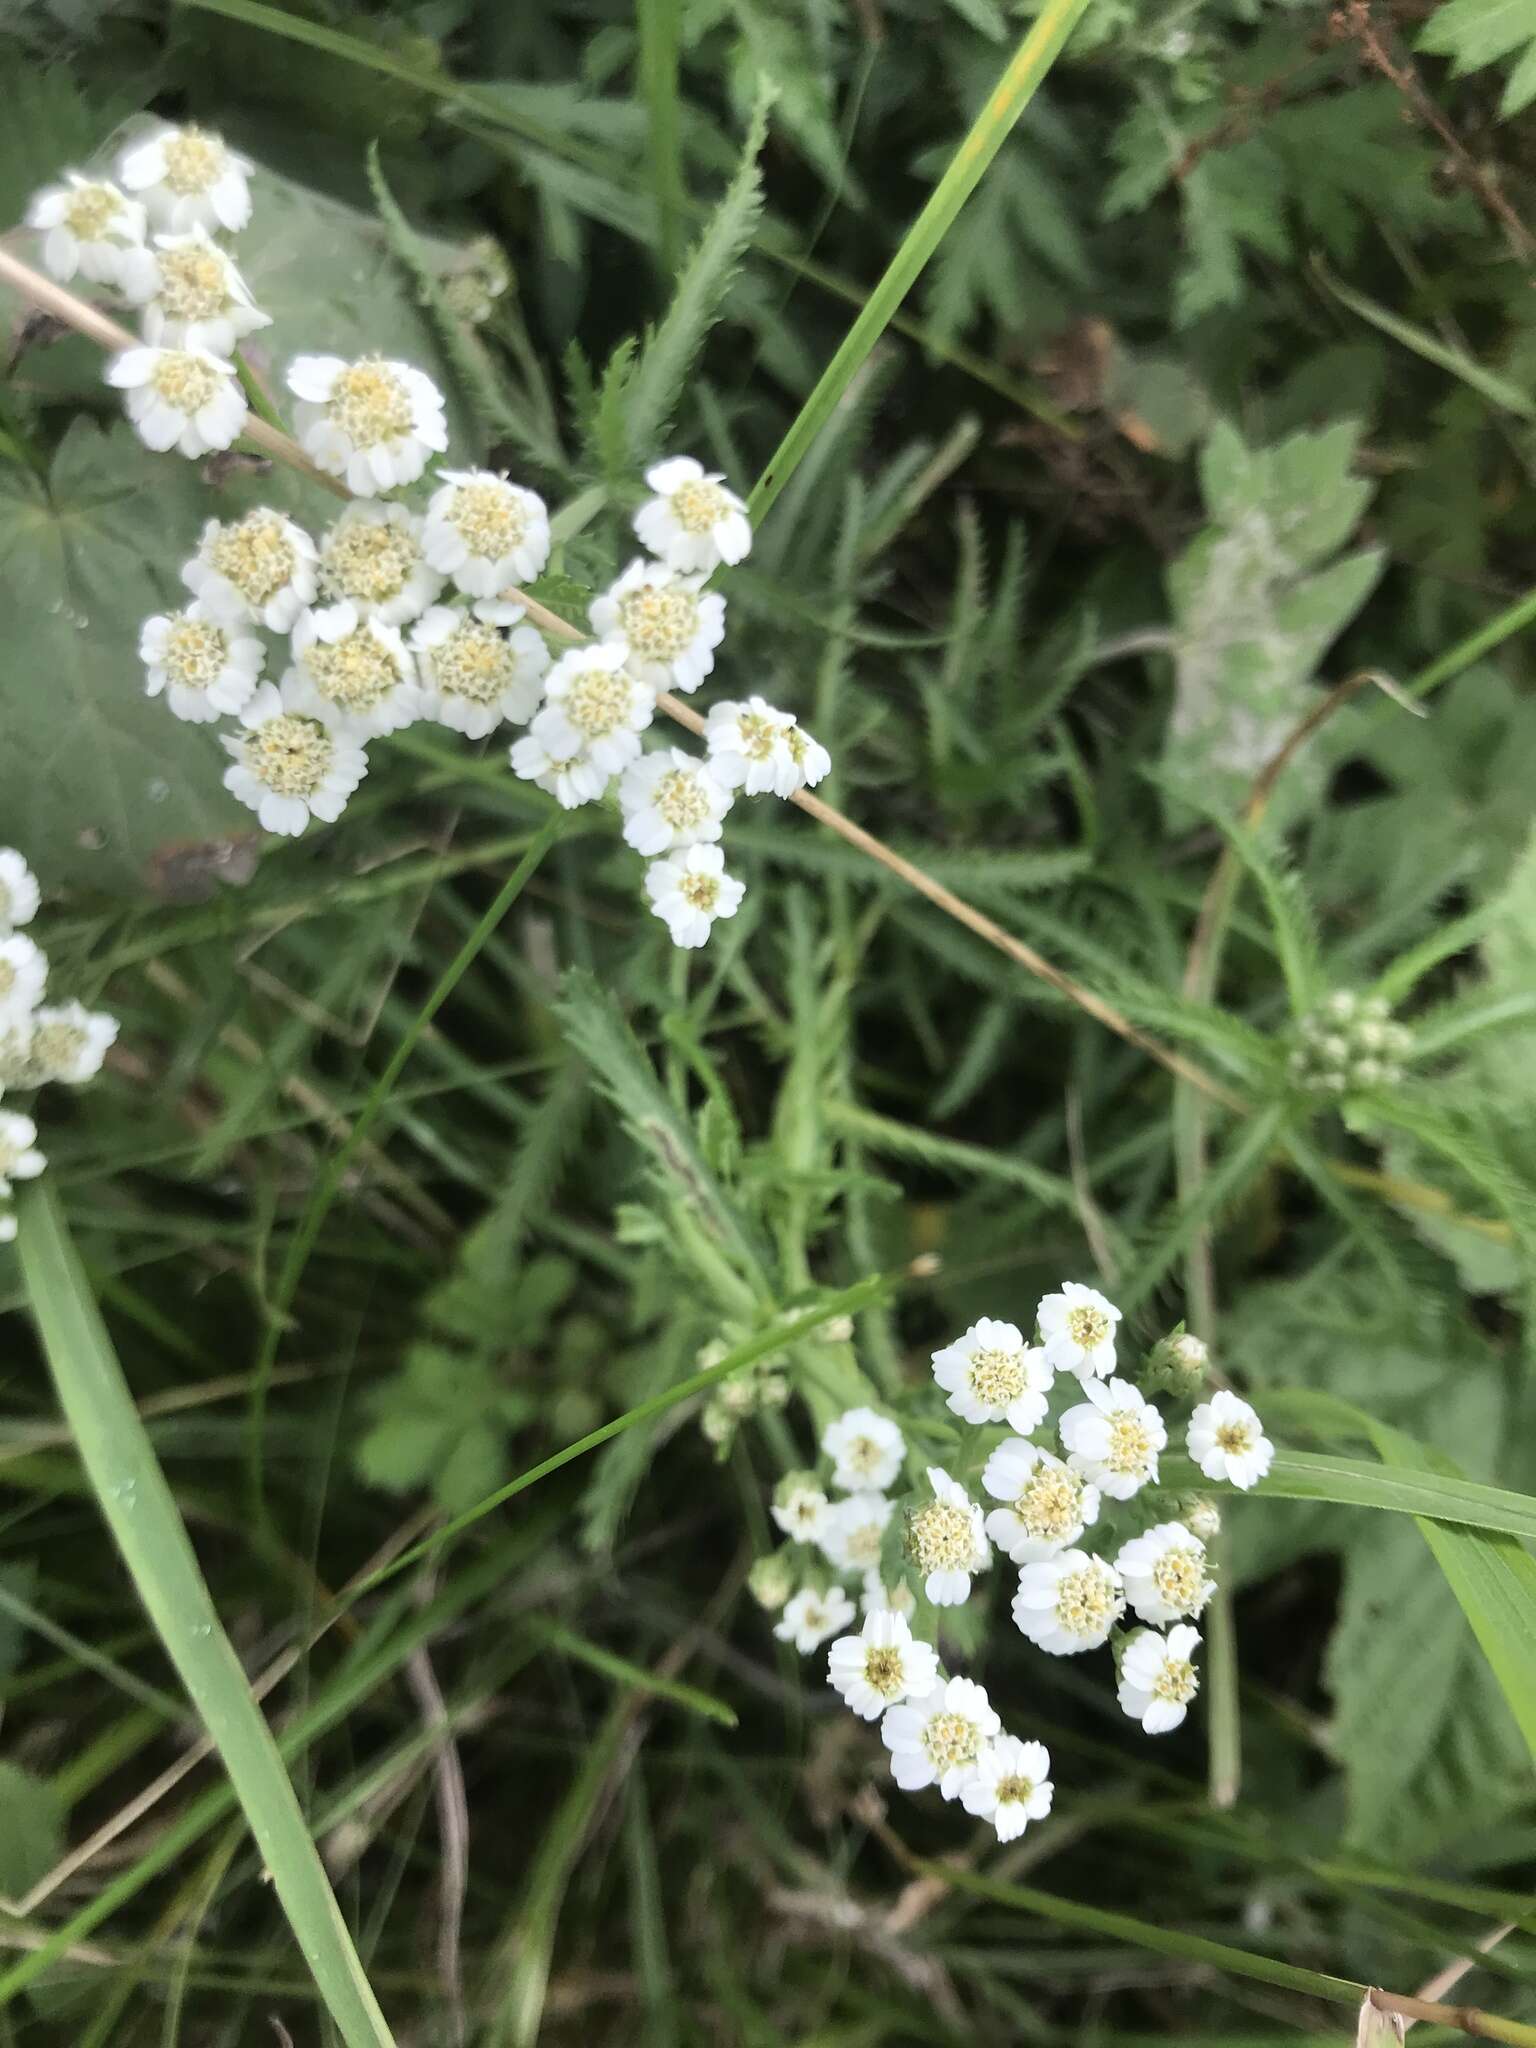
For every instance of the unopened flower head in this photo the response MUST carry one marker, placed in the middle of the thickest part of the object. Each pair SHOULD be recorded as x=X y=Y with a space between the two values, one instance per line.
x=603 y=706
x=1158 y=1677
x=90 y=229
x=693 y=523
x=358 y=667
x=881 y=1665
x=946 y=1541
x=485 y=532
x=1077 y=1328
x=992 y=1375
x=1010 y=1786
x=670 y=624
x=1227 y=1441
x=760 y=750
x=1202 y=1518
x=1069 y=1603
x=373 y=422
x=260 y=568
x=59 y=1042
x=23 y=977
x=188 y=178
x=800 y=1507
x=182 y=398
x=1114 y=1437
x=19 y=1156
x=192 y=296
x=669 y=799
x=866 y=1450
x=19 y=893
x=936 y=1738
x=689 y=889
x=479 y=666
x=297 y=758
x=1178 y=1364
x=853 y=1532
x=1046 y=1507
x=551 y=756
x=771 y=1580
x=810 y=1616
x=1164 y=1575
x=204 y=668
x=372 y=557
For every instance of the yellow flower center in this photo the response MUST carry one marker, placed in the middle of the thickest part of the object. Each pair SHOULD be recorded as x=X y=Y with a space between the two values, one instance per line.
x=883 y=1672
x=757 y=735
x=863 y=1546
x=368 y=561
x=1234 y=1438
x=1014 y=1791
x=996 y=1377
x=599 y=701
x=1051 y=1505
x=490 y=520
x=701 y=890
x=659 y=623
x=255 y=557
x=1176 y=1682
x=90 y=211
x=698 y=506
x=195 y=653
x=941 y=1538
x=7 y=977
x=370 y=405
x=356 y=673
x=862 y=1454
x=681 y=800
x=804 y=1509
x=1087 y=1327
x=950 y=1740
x=474 y=662
x=194 y=283
x=1085 y=1601
x=1130 y=1444
x=1180 y=1580
x=185 y=381
x=290 y=754
x=56 y=1046
x=193 y=161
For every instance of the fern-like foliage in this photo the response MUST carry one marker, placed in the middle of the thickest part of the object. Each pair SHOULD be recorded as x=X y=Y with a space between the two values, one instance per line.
x=1477 y=32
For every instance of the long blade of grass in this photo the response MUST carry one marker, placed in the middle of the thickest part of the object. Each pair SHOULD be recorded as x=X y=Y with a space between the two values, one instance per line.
x=1501 y=392
x=660 y=34
x=989 y=131
x=141 y=1513
x=1361 y=1483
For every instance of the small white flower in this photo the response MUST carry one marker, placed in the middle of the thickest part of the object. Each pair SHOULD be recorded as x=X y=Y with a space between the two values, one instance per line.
x=881 y=1665
x=298 y=758
x=89 y=230
x=358 y=667
x=1077 y=1327
x=1158 y=1678
x=1068 y=1603
x=603 y=708
x=1114 y=1437
x=1163 y=1572
x=373 y=422
x=669 y=622
x=693 y=522
x=853 y=1531
x=203 y=667
x=1048 y=1505
x=19 y=1156
x=193 y=296
x=19 y=893
x=1011 y=1786
x=937 y=1738
x=484 y=532
x=866 y=1450
x=475 y=673
x=551 y=756
x=1227 y=1441
x=992 y=1375
x=810 y=1617
x=669 y=799
x=23 y=977
x=762 y=751
x=372 y=557
x=188 y=178
x=180 y=398
x=801 y=1508
x=947 y=1542
x=67 y=1042
x=689 y=889
x=259 y=568
x=879 y=1598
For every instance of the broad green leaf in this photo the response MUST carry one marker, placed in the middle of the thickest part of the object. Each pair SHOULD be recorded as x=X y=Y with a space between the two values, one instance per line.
x=31 y=1830
x=1478 y=32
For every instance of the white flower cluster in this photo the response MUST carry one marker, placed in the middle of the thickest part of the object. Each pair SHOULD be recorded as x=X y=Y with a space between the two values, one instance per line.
x=1349 y=1043
x=351 y=673
x=39 y=1042
x=941 y=1729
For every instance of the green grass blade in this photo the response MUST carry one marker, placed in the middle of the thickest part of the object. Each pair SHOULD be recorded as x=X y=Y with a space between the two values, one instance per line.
x=1362 y=1483
x=991 y=128
x=141 y=1513
x=660 y=23
x=1501 y=392
x=612 y=1665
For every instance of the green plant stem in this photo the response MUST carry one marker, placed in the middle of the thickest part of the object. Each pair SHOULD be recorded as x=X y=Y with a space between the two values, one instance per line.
x=141 y=1514
x=660 y=31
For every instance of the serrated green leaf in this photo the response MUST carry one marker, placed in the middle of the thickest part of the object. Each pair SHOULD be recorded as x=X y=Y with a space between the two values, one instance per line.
x=1477 y=32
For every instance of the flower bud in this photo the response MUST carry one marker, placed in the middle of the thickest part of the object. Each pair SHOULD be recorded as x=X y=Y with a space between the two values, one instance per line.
x=1178 y=1364
x=771 y=1581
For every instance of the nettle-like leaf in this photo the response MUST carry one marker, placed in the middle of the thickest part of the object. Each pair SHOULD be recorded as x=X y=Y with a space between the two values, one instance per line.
x=1256 y=601
x=1477 y=32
